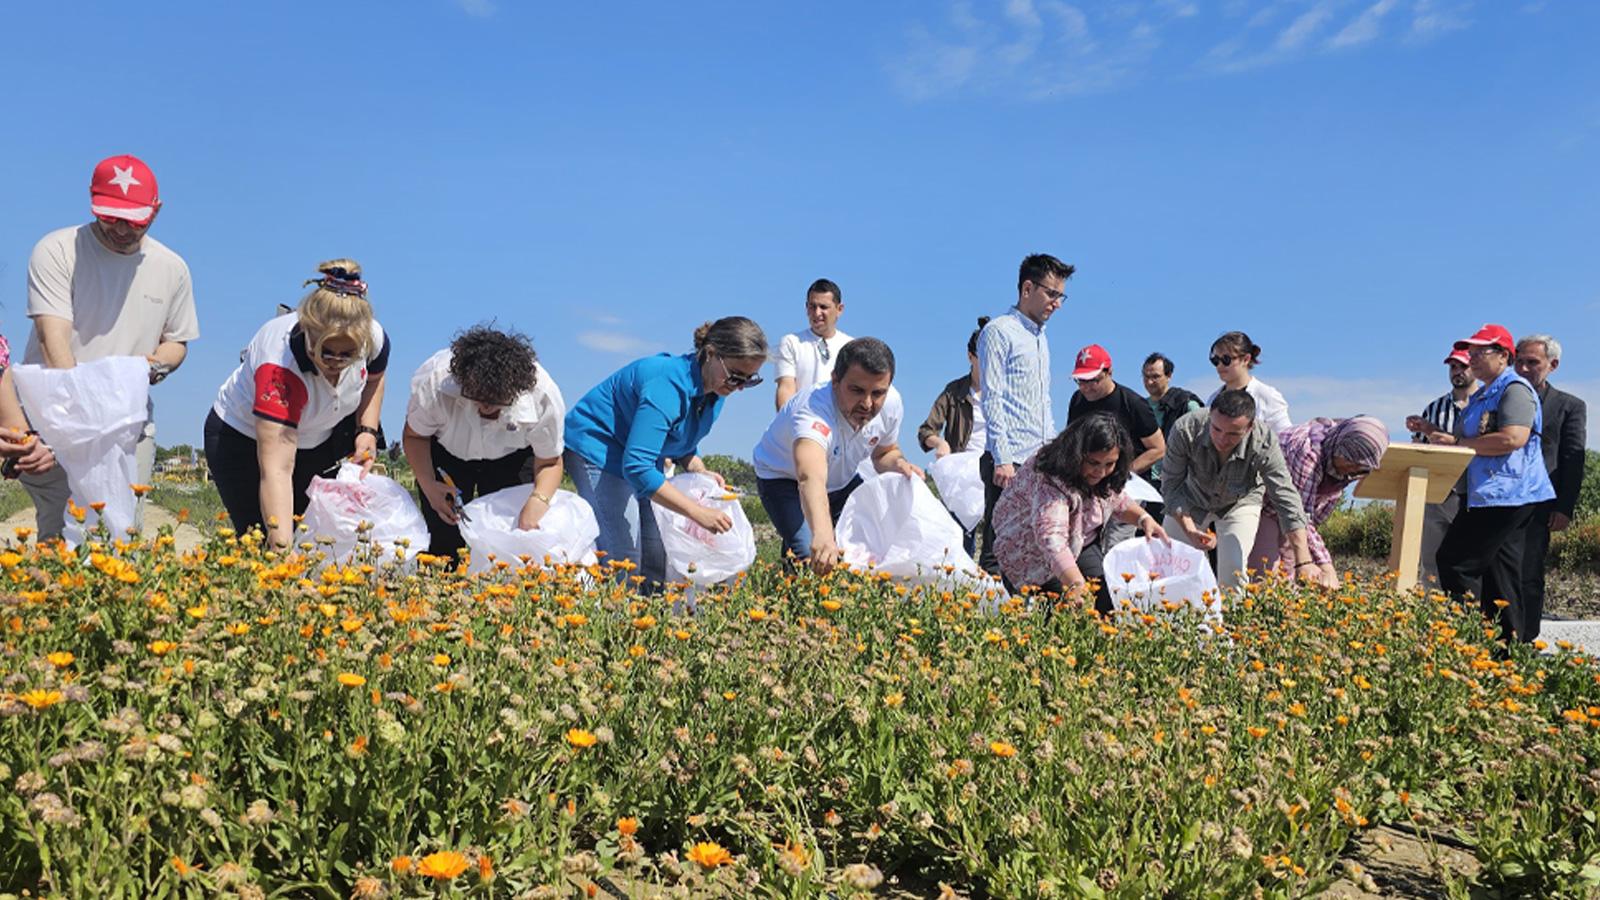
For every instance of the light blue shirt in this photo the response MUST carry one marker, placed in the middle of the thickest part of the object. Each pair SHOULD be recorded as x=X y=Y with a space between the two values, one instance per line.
x=1014 y=366
x=649 y=411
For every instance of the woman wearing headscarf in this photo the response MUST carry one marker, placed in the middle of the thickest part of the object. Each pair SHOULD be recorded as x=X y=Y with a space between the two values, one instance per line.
x=1324 y=457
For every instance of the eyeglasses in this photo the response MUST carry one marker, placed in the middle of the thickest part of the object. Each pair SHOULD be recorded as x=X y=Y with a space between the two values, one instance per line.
x=1220 y=361
x=738 y=380
x=336 y=357
x=1053 y=295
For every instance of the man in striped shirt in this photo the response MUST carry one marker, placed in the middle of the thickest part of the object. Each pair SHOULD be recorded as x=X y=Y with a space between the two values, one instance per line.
x=1443 y=414
x=1014 y=368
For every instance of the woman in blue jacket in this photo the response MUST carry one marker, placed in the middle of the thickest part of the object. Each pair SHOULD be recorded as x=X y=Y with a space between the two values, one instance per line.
x=621 y=434
x=1482 y=552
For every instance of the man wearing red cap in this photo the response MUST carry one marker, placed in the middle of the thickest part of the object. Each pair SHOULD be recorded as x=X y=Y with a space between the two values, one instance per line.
x=1099 y=394
x=1506 y=484
x=1442 y=415
x=107 y=289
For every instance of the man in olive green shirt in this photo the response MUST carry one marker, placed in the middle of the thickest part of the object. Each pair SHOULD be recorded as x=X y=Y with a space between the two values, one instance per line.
x=1221 y=465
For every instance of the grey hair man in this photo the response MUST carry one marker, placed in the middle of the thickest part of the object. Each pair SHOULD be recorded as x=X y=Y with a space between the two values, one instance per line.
x=1565 y=420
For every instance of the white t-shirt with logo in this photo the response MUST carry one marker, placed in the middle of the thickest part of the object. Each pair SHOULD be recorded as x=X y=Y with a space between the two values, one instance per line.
x=118 y=304
x=437 y=409
x=807 y=358
x=979 y=440
x=812 y=416
x=277 y=381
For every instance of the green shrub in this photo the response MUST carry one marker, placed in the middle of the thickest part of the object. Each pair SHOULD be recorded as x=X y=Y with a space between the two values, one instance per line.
x=1359 y=530
x=1578 y=548
x=1589 y=494
x=737 y=472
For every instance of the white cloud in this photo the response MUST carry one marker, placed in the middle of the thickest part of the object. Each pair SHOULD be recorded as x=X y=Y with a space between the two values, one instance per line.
x=617 y=342
x=480 y=8
x=1431 y=18
x=1301 y=29
x=1365 y=26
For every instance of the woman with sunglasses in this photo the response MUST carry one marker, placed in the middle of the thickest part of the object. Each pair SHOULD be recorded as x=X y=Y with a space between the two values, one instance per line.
x=276 y=421
x=621 y=434
x=1324 y=457
x=1234 y=355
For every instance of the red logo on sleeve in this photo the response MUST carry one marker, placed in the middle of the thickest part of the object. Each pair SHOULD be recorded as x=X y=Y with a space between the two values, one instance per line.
x=821 y=428
x=280 y=395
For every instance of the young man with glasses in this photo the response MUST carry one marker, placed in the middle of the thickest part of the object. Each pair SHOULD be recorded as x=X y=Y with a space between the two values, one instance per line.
x=1014 y=366
x=485 y=414
x=805 y=358
x=106 y=289
x=806 y=464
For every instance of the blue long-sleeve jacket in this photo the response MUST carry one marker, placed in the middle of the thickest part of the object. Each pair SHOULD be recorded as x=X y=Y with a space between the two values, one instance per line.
x=647 y=412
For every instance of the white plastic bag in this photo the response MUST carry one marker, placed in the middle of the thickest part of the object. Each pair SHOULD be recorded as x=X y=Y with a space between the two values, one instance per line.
x=960 y=485
x=694 y=554
x=1140 y=491
x=92 y=416
x=895 y=525
x=1177 y=573
x=566 y=534
x=340 y=506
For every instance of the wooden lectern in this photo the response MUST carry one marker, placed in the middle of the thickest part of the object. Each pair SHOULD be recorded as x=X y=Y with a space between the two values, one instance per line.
x=1412 y=475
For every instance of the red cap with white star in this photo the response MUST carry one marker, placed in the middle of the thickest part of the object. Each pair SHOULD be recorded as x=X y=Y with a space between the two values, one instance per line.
x=124 y=188
x=1092 y=360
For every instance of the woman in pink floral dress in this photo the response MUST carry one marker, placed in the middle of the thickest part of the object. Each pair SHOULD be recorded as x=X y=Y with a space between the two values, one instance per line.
x=1048 y=521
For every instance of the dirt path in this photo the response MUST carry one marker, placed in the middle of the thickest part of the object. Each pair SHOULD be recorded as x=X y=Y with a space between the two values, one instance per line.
x=155 y=518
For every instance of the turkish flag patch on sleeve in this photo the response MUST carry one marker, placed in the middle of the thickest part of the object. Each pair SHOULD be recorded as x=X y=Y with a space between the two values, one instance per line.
x=821 y=428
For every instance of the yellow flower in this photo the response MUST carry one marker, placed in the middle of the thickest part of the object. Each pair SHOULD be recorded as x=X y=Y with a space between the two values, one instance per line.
x=238 y=629
x=832 y=605
x=681 y=635
x=1002 y=749
x=351 y=679
x=576 y=619
x=441 y=660
x=161 y=648
x=10 y=560
x=444 y=865
x=61 y=659
x=39 y=699
x=756 y=615
x=709 y=855
x=1256 y=731
x=577 y=737
x=895 y=700
x=644 y=622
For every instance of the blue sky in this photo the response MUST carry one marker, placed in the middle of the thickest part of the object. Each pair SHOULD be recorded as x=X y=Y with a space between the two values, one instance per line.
x=1354 y=183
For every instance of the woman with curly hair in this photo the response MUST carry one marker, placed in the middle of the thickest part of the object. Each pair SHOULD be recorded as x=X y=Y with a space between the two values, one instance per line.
x=1047 y=523
x=279 y=418
x=486 y=414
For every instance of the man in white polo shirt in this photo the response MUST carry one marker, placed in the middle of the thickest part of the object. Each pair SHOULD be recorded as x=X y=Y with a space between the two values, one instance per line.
x=107 y=289
x=805 y=358
x=485 y=413
x=806 y=462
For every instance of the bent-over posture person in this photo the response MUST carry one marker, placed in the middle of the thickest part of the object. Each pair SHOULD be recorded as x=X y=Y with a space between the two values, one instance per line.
x=806 y=462
x=1047 y=524
x=1221 y=465
x=1324 y=456
x=484 y=412
x=955 y=422
x=622 y=432
x=279 y=419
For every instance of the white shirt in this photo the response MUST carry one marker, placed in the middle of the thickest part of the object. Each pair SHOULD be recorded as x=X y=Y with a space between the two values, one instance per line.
x=813 y=416
x=437 y=409
x=979 y=440
x=118 y=304
x=277 y=381
x=800 y=356
x=1271 y=409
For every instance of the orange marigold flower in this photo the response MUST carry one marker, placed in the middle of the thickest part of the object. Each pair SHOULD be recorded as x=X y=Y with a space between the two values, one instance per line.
x=358 y=747
x=444 y=865
x=40 y=699
x=441 y=660
x=756 y=615
x=60 y=659
x=628 y=825
x=1002 y=749
x=161 y=648
x=351 y=679
x=1257 y=731
x=139 y=490
x=577 y=737
x=832 y=605
x=400 y=865
x=644 y=622
x=709 y=855
x=485 y=868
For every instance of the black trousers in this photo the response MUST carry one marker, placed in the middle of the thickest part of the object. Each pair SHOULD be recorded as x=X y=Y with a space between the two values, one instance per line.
x=991 y=495
x=1482 y=555
x=474 y=478
x=236 y=470
x=1091 y=562
x=1536 y=546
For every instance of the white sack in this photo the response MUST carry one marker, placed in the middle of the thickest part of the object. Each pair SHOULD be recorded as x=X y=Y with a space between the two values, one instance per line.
x=960 y=485
x=92 y=416
x=1140 y=490
x=566 y=534
x=340 y=505
x=1177 y=573
x=694 y=554
x=895 y=524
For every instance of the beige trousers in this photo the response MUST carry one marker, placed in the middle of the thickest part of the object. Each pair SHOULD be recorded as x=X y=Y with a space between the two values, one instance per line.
x=1236 y=534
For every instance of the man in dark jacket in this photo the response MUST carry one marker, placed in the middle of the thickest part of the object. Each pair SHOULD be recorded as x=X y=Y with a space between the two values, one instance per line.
x=1169 y=404
x=1562 y=442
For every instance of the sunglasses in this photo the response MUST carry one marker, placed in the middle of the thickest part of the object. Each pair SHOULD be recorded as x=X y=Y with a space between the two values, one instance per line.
x=736 y=379
x=336 y=356
x=1224 y=360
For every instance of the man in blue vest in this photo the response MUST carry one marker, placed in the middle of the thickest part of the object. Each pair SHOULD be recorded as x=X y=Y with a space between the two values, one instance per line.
x=1483 y=552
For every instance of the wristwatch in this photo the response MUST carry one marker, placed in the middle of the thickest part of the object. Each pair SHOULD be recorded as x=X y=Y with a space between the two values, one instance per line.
x=367 y=429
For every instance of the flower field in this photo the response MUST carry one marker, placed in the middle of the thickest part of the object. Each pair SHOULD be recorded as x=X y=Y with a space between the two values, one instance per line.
x=228 y=721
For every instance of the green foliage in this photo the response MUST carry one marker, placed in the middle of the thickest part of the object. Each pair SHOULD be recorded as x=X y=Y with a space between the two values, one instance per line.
x=1359 y=530
x=1589 y=495
x=1578 y=548
x=739 y=473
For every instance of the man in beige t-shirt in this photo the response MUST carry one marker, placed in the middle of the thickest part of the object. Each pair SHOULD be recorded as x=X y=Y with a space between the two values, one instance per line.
x=107 y=289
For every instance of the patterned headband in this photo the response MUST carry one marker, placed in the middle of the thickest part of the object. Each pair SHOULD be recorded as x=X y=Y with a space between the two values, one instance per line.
x=342 y=282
